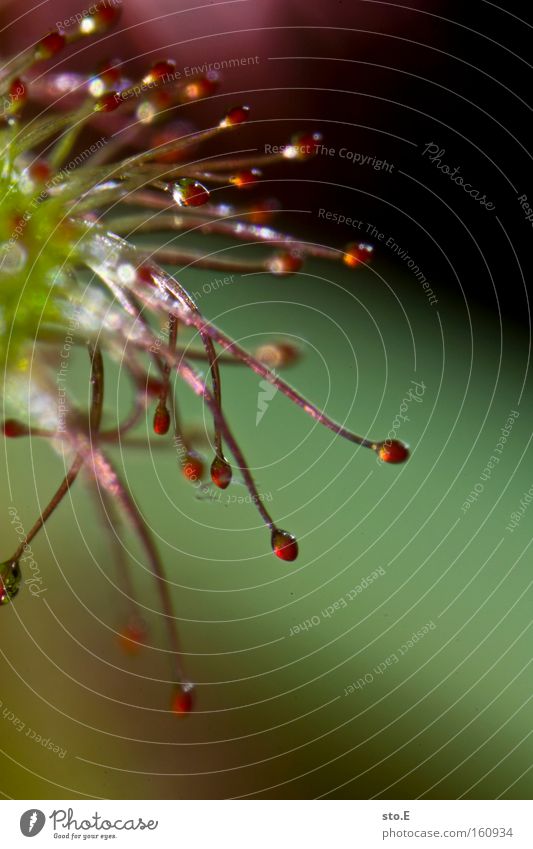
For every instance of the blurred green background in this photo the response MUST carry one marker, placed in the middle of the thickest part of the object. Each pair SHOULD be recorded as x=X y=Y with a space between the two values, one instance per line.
x=450 y=718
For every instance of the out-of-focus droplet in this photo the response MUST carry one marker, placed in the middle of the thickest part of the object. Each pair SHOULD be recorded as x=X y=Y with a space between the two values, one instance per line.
x=174 y=132
x=50 y=45
x=302 y=146
x=126 y=273
x=358 y=253
x=132 y=637
x=146 y=112
x=10 y=578
x=40 y=171
x=110 y=72
x=202 y=87
x=245 y=178
x=193 y=467
x=152 y=386
x=277 y=354
x=109 y=102
x=161 y=419
x=13 y=257
x=108 y=78
x=163 y=99
x=183 y=699
x=105 y=15
x=13 y=428
x=237 y=115
x=160 y=70
x=285 y=262
x=263 y=211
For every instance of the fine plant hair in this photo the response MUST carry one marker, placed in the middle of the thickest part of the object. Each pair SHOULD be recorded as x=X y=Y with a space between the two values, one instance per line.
x=68 y=259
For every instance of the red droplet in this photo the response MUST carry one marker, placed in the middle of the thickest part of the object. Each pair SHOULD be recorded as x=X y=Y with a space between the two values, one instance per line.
x=193 y=467
x=145 y=274
x=202 y=87
x=109 y=102
x=13 y=428
x=393 y=451
x=221 y=473
x=161 y=419
x=245 y=178
x=110 y=73
x=172 y=134
x=189 y=192
x=263 y=211
x=162 y=98
x=50 y=45
x=284 y=545
x=107 y=80
x=303 y=146
x=288 y=353
x=40 y=171
x=107 y=14
x=165 y=68
x=285 y=263
x=182 y=700
x=237 y=115
x=17 y=221
x=357 y=253
x=131 y=638
x=151 y=385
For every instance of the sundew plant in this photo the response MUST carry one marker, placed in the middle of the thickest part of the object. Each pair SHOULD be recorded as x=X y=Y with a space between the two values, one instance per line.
x=69 y=271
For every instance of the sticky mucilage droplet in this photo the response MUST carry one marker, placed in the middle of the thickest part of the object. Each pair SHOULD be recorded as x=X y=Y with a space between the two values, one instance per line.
x=221 y=472
x=187 y=192
x=392 y=451
x=183 y=699
x=10 y=578
x=284 y=545
x=161 y=419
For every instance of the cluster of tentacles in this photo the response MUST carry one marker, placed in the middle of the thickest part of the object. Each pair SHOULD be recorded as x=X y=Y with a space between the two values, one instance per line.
x=54 y=196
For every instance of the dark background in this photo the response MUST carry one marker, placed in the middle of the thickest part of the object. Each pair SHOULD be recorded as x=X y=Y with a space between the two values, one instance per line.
x=452 y=73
